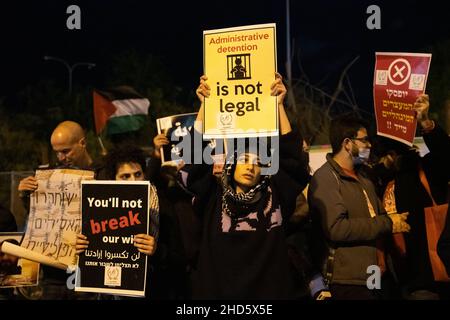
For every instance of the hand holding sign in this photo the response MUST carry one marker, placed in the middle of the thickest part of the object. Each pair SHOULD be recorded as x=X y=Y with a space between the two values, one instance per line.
x=145 y=243
x=159 y=141
x=81 y=243
x=421 y=107
x=278 y=88
x=203 y=89
x=28 y=184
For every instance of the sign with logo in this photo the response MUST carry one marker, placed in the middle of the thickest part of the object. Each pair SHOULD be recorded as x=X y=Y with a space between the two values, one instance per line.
x=398 y=80
x=113 y=213
x=240 y=64
x=175 y=128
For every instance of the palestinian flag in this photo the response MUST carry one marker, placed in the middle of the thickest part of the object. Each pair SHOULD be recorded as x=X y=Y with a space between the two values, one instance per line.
x=120 y=109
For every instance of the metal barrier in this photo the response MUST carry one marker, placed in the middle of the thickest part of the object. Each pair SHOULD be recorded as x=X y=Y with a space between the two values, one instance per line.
x=9 y=196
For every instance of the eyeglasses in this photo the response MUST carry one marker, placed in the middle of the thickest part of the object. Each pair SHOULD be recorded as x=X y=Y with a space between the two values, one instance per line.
x=365 y=139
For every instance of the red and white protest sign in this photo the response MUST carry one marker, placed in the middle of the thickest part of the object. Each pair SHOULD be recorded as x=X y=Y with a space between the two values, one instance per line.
x=399 y=79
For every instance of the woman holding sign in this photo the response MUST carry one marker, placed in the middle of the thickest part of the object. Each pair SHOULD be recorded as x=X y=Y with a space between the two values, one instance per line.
x=243 y=251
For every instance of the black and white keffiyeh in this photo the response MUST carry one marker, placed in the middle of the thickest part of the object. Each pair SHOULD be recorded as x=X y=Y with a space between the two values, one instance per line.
x=238 y=204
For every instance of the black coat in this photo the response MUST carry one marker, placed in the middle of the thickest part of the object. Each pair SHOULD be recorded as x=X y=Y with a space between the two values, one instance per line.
x=412 y=197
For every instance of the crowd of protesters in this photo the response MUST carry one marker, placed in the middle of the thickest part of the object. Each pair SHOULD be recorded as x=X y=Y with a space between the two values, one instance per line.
x=291 y=235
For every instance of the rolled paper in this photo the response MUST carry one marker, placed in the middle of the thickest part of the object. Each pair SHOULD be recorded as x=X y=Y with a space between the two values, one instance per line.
x=21 y=252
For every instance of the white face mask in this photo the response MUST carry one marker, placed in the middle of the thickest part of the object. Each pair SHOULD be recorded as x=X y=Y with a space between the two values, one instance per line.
x=363 y=156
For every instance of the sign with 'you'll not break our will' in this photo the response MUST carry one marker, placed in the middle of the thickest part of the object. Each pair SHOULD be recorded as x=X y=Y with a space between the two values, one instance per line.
x=113 y=212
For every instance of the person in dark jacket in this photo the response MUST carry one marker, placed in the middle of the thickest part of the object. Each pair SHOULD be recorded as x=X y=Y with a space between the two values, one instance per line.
x=243 y=251
x=180 y=229
x=348 y=218
x=128 y=163
x=404 y=166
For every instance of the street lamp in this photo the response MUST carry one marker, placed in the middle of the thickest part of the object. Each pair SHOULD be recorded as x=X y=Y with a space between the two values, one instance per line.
x=70 y=68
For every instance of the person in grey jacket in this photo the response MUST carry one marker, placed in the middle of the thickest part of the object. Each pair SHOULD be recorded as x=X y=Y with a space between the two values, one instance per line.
x=349 y=220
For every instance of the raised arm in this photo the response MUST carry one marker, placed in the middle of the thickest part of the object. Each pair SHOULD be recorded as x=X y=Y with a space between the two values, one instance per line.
x=202 y=91
x=279 y=90
x=434 y=136
x=421 y=107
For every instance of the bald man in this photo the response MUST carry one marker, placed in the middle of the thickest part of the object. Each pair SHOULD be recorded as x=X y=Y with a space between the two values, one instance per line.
x=69 y=142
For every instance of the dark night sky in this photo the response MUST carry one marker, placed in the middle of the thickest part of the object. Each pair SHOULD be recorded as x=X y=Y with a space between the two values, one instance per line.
x=328 y=34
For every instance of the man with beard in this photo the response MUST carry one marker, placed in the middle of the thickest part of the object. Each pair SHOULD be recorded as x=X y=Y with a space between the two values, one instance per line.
x=348 y=218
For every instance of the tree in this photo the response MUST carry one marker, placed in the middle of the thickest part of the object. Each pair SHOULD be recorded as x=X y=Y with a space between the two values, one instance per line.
x=312 y=108
x=19 y=148
x=148 y=75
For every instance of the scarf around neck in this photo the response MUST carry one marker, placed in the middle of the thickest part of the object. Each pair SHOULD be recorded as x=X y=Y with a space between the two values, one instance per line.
x=238 y=204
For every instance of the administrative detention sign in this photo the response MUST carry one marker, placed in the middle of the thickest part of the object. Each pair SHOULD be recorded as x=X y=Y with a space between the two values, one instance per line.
x=113 y=213
x=399 y=78
x=240 y=64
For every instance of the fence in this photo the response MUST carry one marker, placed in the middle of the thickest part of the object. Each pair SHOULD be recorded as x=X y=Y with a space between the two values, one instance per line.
x=9 y=196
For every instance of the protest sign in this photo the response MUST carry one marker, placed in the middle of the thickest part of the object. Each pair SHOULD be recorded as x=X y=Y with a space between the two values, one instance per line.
x=54 y=218
x=240 y=64
x=113 y=213
x=399 y=78
x=15 y=271
x=180 y=148
x=175 y=128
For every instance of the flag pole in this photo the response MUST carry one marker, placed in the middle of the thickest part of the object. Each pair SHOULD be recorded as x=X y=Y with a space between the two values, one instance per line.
x=104 y=152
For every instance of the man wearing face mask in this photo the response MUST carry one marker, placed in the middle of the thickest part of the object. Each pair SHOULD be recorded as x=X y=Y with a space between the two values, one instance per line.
x=348 y=218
